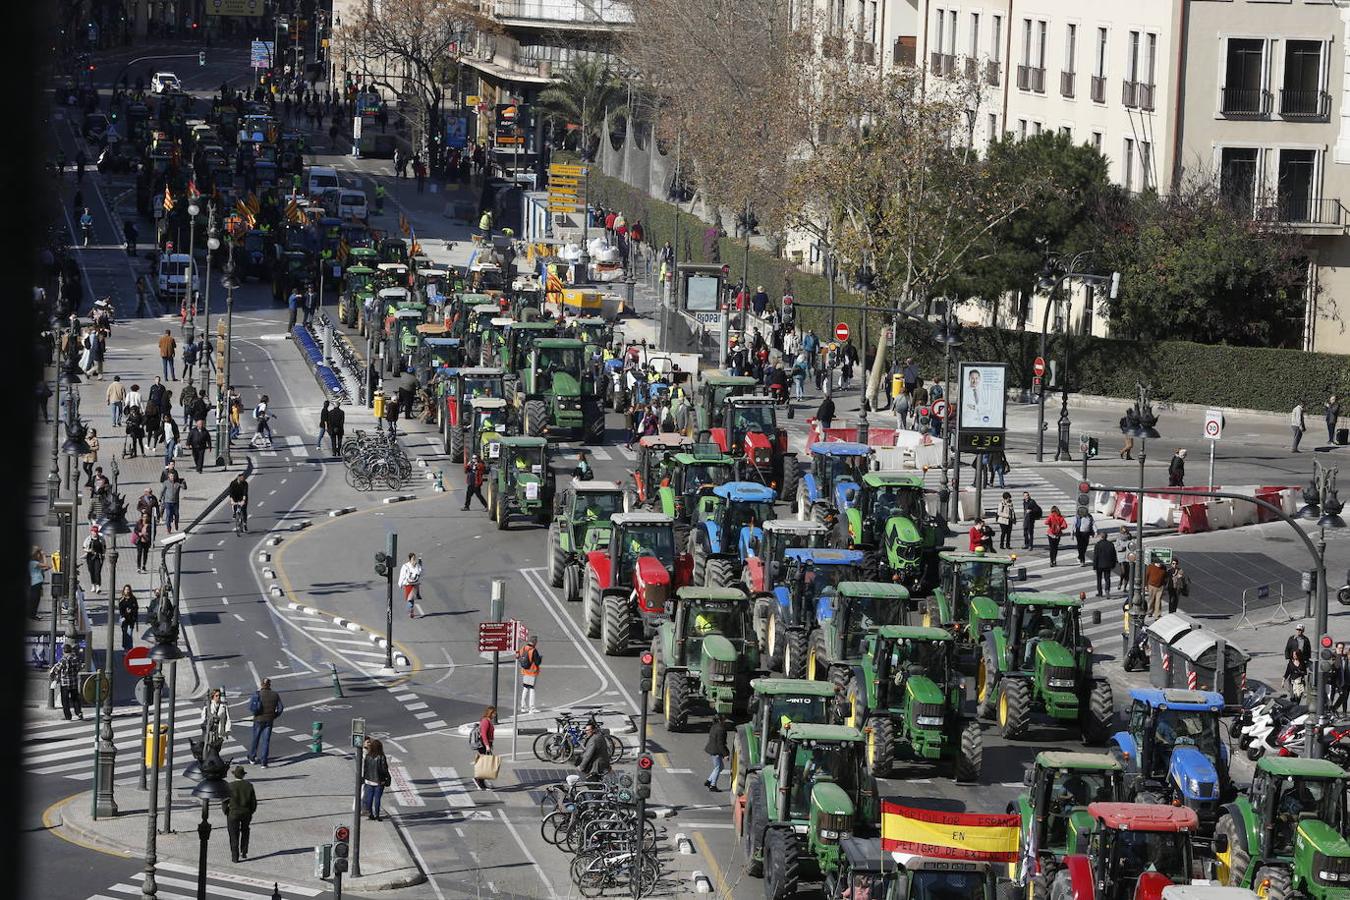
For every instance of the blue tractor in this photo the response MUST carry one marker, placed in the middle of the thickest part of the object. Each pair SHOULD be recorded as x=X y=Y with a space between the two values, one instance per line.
x=1172 y=752
x=806 y=579
x=836 y=467
x=724 y=526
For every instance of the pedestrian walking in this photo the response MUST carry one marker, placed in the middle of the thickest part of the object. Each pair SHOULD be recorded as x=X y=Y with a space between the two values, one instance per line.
x=1083 y=530
x=1298 y=643
x=65 y=676
x=1124 y=557
x=199 y=441
x=116 y=396
x=337 y=420
x=95 y=549
x=1055 y=526
x=374 y=778
x=1155 y=581
x=1006 y=517
x=1295 y=676
x=1333 y=415
x=1176 y=469
x=266 y=706
x=716 y=748
x=142 y=538
x=474 y=472
x=1177 y=585
x=323 y=426
x=90 y=457
x=38 y=567
x=1341 y=681
x=170 y=428
x=480 y=741
x=167 y=348
x=1297 y=425
x=169 y=496
x=215 y=721
x=239 y=808
x=1103 y=562
x=1031 y=514
x=529 y=658
x=43 y=392
x=190 y=352
x=594 y=760
x=825 y=413
x=410 y=579
x=128 y=610
x=135 y=430
x=999 y=467
x=293 y=302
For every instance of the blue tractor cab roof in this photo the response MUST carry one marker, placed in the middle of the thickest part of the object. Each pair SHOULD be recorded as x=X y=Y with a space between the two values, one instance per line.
x=746 y=492
x=840 y=448
x=1171 y=698
x=613 y=364
x=825 y=556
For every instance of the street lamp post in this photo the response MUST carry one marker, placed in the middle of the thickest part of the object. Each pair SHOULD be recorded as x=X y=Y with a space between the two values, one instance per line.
x=105 y=803
x=212 y=245
x=190 y=293
x=229 y=282
x=54 y=475
x=165 y=629
x=1139 y=422
x=950 y=338
x=1327 y=508
x=211 y=787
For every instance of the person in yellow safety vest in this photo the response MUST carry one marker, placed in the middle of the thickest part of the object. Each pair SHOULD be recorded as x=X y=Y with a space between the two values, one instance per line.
x=485 y=222
x=706 y=623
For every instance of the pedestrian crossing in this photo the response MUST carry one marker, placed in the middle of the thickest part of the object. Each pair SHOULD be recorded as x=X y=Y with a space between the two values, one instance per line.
x=179 y=882
x=608 y=453
x=294 y=445
x=66 y=749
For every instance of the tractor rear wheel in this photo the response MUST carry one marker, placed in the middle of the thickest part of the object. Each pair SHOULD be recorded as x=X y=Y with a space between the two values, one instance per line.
x=1014 y=708
x=572 y=583
x=676 y=701
x=757 y=816
x=781 y=872
x=986 y=686
x=617 y=627
x=818 y=664
x=880 y=747
x=871 y=565
x=1239 y=859
x=1008 y=890
x=699 y=550
x=794 y=654
x=595 y=426
x=855 y=694
x=792 y=474
x=1098 y=714
x=593 y=605
x=1279 y=887
x=456 y=444
x=717 y=573
x=774 y=637
x=556 y=562
x=969 y=760
x=536 y=417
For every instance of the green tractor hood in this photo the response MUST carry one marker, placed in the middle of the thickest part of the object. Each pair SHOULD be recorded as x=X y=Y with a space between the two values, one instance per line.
x=922 y=689
x=1053 y=653
x=830 y=799
x=717 y=648
x=565 y=385
x=1323 y=839
x=1061 y=700
x=904 y=531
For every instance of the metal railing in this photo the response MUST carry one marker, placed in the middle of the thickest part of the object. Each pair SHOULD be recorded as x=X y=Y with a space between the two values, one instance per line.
x=584 y=12
x=1030 y=78
x=1300 y=104
x=1067 y=83
x=1137 y=94
x=1300 y=211
x=1243 y=102
x=1098 y=88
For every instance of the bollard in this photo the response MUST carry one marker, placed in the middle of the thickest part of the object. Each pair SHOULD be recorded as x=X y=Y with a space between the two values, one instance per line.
x=316 y=732
x=337 y=684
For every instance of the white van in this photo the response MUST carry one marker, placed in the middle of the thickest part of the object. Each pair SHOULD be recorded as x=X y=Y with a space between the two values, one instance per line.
x=320 y=179
x=352 y=205
x=173 y=275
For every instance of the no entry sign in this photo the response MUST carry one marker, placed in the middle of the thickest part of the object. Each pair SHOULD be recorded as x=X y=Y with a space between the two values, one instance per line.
x=137 y=661
x=1038 y=366
x=841 y=331
x=940 y=409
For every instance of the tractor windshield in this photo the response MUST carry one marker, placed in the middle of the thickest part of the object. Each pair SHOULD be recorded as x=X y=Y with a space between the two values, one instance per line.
x=560 y=359
x=807 y=710
x=1304 y=798
x=739 y=515
x=1043 y=623
x=699 y=475
x=1186 y=728
x=1071 y=789
x=888 y=502
x=753 y=417
x=358 y=282
x=598 y=507
x=910 y=658
x=726 y=622
x=838 y=467
x=483 y=387
x=981 y=579
x=868 y=612
x=527 y=459
x=816 y=580
x=825 y=762
x=930 y=884
x=648 y=540
x=1137 y=852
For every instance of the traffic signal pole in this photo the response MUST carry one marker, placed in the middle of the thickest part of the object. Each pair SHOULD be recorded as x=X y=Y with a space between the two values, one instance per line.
x=644 y=767
x=391 y=560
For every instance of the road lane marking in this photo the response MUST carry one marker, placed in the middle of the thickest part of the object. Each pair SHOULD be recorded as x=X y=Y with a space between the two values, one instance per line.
x=453 y=787
x=723 y=889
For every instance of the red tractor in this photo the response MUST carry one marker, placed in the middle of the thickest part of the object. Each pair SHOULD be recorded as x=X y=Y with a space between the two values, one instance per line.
x=749 y=433
x=1126 y=851
x=460 y=387
x=629 y=582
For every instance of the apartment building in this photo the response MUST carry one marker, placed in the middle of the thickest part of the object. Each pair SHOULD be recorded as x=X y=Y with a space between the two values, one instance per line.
x=1263 y=110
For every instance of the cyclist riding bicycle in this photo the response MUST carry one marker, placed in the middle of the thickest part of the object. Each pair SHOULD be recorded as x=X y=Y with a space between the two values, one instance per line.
x=238 y=491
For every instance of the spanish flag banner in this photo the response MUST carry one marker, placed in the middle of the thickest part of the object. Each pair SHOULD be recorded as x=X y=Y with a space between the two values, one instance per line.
x=949 y=835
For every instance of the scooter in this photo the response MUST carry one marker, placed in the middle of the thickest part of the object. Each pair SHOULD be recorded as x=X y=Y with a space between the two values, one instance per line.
x=1266 y=727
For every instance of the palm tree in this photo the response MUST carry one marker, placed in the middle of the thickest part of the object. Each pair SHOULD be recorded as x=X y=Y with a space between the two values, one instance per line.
x=587 y=91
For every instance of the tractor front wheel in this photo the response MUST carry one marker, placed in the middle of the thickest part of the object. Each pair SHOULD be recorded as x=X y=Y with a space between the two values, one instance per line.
x=658 y=675
x=676 y=701
x=616 y=629
x=556 y=562
x=969 y=755
x=717 y=573
x=1014 y=708
x=699 y=550
x=774 y=639
x=1276 y=879
x=503 y=516
x=781 y=872
x=792 y=475
x=492 y=500
x=757 y=815
x=1098 y=715
x=986 y=686
x=1231 y=872
x=572 y=583
x=593 y=605
x=794 y=654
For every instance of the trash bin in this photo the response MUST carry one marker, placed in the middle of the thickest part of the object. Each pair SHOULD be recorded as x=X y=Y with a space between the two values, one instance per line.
x=1162 y=635
x=150 y=743
x=1197 y=652
x=379 y=406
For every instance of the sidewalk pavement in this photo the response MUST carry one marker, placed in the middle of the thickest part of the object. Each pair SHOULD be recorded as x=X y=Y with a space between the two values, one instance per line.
x=134 y=356
x=300 y=801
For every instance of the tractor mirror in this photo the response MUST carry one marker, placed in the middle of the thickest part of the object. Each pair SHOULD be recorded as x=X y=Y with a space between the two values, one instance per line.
x=1028 y=776
x=771 y=751
x=1220 y=843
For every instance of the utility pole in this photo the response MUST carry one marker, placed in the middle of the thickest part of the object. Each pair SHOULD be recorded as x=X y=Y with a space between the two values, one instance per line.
x=385 y=562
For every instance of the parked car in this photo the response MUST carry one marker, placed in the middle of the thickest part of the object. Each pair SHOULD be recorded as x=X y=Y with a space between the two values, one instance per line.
x=163 y=82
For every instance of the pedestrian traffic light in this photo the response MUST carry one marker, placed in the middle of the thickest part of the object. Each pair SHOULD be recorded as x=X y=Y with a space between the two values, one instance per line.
x=644 y=776
x=645 y=673
x=201 y=55
x=1092 y=448
x=341 y=850
x=1084 y=498
x=382 y=564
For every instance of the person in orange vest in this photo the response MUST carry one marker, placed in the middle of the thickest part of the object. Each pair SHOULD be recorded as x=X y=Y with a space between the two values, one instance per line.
x=529 y=673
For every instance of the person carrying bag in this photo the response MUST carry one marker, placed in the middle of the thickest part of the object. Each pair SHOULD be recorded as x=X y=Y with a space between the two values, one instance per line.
x=486 y=765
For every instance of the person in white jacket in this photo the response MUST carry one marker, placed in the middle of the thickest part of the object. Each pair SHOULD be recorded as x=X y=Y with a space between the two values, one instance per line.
x=410 y=579
x=216 y=720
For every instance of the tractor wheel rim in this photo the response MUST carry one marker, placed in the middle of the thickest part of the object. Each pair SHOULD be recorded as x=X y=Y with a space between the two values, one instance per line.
x=871 y=749
x=981 y=682
x=772 y=635
x=811 y=666
x=665 y=700
x=1003 y=709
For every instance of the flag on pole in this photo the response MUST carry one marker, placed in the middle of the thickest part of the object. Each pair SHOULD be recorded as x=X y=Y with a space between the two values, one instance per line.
x=193 y=193
x=552 y=283
x=168 y=199
x=403 y=225
x=949 y=835
x=342 y=251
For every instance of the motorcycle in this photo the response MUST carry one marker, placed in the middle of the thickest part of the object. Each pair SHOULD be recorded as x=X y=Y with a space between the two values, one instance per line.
x=1263 y=725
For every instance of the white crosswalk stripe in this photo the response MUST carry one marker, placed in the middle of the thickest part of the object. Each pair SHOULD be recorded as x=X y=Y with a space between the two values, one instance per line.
x=176 y=881
x=626 y=453
x=600 y=453
x=454 y=789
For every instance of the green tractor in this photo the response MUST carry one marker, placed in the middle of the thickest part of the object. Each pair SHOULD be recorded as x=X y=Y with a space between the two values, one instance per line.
x=774 y=702
x=1060 y=787
x=1287 y=837
x=868 y=872
x=1037 y=660
x=712 y=394
x=906 y=694
x=843 y=620
x=581 y=523
x=885 y=517
x=555 y=393
x=358 y=286
x=488 y=425
x=518 y=338
x=810 y=795
x=704 y=655
x=684 y=477
x=522 y=483
x=971 y=593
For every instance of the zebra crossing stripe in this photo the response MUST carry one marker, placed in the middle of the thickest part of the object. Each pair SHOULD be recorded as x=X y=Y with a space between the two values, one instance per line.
x=404 y=793
x=600 y=453
x=453 y=788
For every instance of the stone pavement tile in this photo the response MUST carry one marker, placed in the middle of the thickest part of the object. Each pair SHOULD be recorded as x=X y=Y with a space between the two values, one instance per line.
x=300 y=801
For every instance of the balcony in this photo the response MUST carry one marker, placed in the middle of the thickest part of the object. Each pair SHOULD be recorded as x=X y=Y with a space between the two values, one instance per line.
x=972 y=68
x=864 y=53
x=1246 y=103
x=587 y=14
x=1067 y=82
x=1296 y=104
x=1137 y=95
x=943 y=64
x=1302 y=213
x=992 y=73
x=1030 y=78
x=1098 y=88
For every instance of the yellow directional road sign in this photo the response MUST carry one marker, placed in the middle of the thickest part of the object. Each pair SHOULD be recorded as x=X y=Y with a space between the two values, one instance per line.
x=557 y=207
x=563 y=169
x=563 y=180
x=555 y=191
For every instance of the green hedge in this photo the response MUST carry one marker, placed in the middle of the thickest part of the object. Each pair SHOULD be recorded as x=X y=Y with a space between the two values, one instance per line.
x=1181 y=372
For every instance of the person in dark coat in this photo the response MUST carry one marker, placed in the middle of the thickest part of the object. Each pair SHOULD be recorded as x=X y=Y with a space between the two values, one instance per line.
x=1031 y=514
x=239 y=808
x=594 y=753
x=199 y=441
x=1176 y=470
x=1298 y=643
x=323 y=426
x=1103 y=562
x=716 y=748
x=825 y=412
x=337 y=426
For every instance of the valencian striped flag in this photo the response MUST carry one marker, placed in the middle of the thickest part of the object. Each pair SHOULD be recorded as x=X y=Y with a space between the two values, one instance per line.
x=949 y=835
x=168 y=199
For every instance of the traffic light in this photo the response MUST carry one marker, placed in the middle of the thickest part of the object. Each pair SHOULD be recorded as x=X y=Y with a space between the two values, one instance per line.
x=341 y=850
x=1325 y=652
x=645 y=673
x=644 y=777
x=201 y=54
x=1092 y=448
x=383 y=564
x=1084 y=498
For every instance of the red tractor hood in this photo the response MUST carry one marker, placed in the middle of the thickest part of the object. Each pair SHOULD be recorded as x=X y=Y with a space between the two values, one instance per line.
x=652 y=583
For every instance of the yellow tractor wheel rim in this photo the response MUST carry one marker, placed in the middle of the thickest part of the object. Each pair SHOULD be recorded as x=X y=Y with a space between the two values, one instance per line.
x=1003 y=709
x=665 y=701
x=981 y=682
x=811 y=666
x=773 y=635
x=871 y=749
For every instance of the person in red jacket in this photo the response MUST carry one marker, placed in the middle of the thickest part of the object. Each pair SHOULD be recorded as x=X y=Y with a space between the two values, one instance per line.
x=475 y=470
x=976 y=535
x=1055 y=526
x=487 y=730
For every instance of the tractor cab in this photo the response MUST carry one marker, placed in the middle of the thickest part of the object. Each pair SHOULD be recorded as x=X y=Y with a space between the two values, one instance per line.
x=846 y=617
x=491 y=340
x=1172 y=751
x=582 y=517
x=705 y=654
x=884 y=515
x=713 y=393
x=392 y=274
x=592 y=331
x=1133 y=852
x=461 y=386
x=655 y=468
x=488 y=427
x=437 y=352
x=807 y=575
x=725 y=522
x=555 y=393
x=866 y=873
x=1060 y=786
x=750 y=435
x=640 y=536
x=519 y=337
x=971 y=593
x=358 y=283
x=394 y=250
x=835 y=465
x=764 y=563
x=523 y=483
